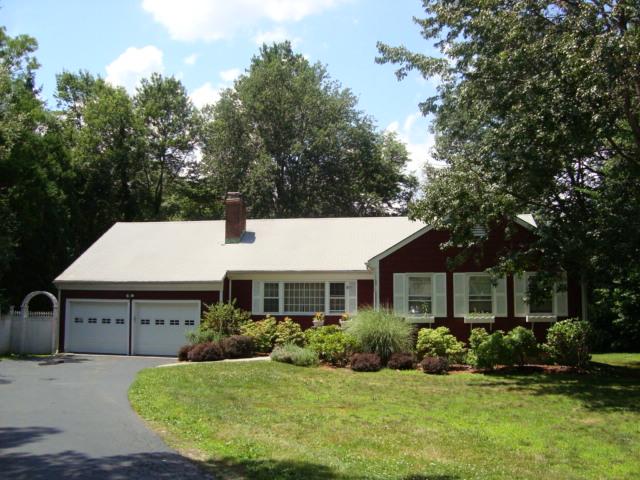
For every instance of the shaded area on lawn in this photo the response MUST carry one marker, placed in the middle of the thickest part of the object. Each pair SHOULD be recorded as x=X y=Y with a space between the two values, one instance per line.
x=604 y=387
x=266 y=469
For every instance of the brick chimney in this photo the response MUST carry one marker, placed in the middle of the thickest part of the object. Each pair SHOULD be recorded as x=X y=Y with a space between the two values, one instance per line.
x=235 y=217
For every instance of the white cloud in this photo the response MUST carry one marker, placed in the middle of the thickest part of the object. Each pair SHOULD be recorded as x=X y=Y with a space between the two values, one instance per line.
x=191 y=59
x=230 y=75
x=133 y=65
x=206 y=94
x=413 y=132
x=209 y=20
x=276 y=35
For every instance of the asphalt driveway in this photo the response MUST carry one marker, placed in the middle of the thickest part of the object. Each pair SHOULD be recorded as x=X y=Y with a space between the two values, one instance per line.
x=72 y=420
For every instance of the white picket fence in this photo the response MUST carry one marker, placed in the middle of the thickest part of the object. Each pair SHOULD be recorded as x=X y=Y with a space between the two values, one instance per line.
x=38 y=332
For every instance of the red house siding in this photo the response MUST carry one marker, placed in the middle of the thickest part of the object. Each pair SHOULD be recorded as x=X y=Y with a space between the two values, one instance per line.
x=424 y=255
x=206 y=297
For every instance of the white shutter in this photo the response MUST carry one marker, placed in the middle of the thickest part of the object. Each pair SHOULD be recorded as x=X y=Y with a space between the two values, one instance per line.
x=256 y=294
x=560 y=298
x=460 y=294
x=519 y=294
x=399 y=293
x=500 y=298
x=439 y=294
x=351 y=293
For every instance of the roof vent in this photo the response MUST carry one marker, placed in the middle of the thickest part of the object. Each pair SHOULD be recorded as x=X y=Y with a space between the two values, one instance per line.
x=235 y=217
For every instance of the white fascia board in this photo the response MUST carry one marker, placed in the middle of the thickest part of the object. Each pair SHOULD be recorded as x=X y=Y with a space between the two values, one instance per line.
x=141 y=286
x=302 y=275
x=372 y=261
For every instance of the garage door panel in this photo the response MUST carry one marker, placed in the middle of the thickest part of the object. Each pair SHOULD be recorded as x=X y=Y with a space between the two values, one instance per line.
x=159 y=327
x=97 y=326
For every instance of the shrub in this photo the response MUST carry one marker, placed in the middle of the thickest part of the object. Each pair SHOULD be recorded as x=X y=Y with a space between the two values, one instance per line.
x=435 y=365
x=439 y=342
x=568 y=343
x=202 y=335
x=237 y=346
x=224 y=318
x=263 y=333
x=332 y=344
x=381 y=332
x=401 y=361
x=196 y=352
x=183 y=353
x=522 y=344
x=487 y=351
x=289 y=331
x=366 y=362
x=296 y=355
x=212 y=351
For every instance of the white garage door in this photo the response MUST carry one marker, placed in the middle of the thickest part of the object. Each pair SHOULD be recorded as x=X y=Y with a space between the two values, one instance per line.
x=159 y=326
x=97 y=326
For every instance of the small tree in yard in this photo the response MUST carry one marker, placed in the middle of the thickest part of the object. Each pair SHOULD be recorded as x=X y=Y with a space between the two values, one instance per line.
x=568 y=343
x=224 y=318
x=522 y=343
x=438 y=342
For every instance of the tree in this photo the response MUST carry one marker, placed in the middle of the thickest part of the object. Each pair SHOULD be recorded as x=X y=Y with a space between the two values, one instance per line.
x=33 y=214
x=105 y=146
x=170 y=123
x=538 y=111
x=293 y=142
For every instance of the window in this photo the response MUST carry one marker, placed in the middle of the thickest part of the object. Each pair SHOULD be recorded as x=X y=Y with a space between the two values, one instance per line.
x=189 y=323
x=271 y=301
x=119 y=321
x=78 y=320
x=159 y=321
x=92 y=320
x=145 y=321
x=336 y=298
x=174 y=322
x=304 y=297
x=541 y=305
x=419 y=296
x=106 y=320
x=480 y=294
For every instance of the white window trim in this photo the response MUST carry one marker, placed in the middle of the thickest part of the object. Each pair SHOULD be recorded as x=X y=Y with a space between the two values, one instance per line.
x=281 y=310
x=417 y=318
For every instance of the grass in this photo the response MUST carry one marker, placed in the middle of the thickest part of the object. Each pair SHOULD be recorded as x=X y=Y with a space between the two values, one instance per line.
x=629 y=360
x=268 y=420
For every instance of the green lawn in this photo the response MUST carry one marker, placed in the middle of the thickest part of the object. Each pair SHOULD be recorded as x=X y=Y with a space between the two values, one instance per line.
x=630 y=360
x=267 y=420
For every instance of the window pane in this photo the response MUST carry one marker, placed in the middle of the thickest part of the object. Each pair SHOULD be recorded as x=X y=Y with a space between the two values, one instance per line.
x=271 y=290
x=336 y=289
x=420 y=286
x=336 y=304
x=480 y=306
x=271 y=305
x=304 y=297
x=544 y=305
x=480 y=285
x=418 y=306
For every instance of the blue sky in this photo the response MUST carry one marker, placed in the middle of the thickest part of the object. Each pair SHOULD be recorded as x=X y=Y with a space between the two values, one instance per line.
x=207 y=43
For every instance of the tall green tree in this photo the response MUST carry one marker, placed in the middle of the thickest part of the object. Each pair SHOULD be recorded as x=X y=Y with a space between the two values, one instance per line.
x=105 y=146
x=171 y=130
x=33 y=168
x=538 y=111
x=293 y=141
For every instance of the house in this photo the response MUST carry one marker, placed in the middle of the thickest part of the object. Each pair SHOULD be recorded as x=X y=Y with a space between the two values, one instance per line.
x=141 y=286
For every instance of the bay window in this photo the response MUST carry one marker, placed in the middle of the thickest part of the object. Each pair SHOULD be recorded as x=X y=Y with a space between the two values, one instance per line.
x=304 y=297
x=299 y=298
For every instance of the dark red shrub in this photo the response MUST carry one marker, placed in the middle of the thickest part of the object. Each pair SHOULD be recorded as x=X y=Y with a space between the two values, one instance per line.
x=183 y=353
x=212 y=351
x=435 y=365
x=195 y=354
x=401 y=361
x=365 y=362
x=238 y=346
